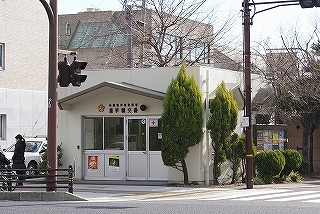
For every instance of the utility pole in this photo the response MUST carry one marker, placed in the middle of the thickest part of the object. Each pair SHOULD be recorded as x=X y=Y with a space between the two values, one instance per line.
x=52 y=11
x=247 y=21
x=247 y=82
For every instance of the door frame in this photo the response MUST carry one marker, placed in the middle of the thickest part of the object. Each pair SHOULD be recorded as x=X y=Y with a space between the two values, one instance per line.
x=137 y=155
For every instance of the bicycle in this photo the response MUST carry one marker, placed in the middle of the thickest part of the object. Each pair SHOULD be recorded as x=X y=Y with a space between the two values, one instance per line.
x=7 y=178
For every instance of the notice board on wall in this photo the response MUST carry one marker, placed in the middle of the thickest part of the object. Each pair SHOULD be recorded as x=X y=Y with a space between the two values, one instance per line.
x=270 y=137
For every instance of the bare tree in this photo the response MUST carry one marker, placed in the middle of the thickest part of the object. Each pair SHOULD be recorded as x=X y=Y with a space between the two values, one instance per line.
x=177 y=31
x=294 y=72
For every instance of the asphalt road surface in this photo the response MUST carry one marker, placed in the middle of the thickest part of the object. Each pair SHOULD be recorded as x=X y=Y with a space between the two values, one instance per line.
x=167 y=200
x=163 y=206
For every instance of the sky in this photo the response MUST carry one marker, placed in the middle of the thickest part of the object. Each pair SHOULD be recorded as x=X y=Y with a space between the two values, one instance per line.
x=266 y=25
x=75 y=6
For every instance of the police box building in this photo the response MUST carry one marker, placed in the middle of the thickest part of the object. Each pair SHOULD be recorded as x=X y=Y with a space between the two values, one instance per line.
x=110 y=127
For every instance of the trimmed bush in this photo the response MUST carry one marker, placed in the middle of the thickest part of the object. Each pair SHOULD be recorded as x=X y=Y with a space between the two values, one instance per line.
x=269 y=164
x=293 y=161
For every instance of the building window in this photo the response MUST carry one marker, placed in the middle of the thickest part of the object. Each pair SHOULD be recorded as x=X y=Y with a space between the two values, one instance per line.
x=68 y=29
x=197 y=51
x=155 y=134
x=113 y=133
x=1 y=56
x=170 y=46
x=104 y=133
x=2 y=126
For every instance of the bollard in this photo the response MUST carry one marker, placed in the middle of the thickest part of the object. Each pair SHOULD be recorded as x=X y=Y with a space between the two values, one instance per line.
x=9 y=177
x=70 y=184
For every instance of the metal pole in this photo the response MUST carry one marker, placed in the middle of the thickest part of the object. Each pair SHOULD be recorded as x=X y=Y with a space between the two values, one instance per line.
x=247 y=80
x=70 y=179
x=207 y=131
x=143 y=18
x=128 y=9
x=52 y=98
x=9 y=177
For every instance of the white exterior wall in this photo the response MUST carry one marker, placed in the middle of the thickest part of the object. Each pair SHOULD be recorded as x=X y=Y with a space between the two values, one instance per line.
x=24 y=28
x=26 y=113
x=70 y=123
x=152 y=78
x=25 y=33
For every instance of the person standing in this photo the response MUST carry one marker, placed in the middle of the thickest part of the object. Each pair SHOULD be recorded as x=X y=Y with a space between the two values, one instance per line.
x=18 y=159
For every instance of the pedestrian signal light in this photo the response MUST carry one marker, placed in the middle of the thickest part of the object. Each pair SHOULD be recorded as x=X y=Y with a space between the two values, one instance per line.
x=75 y=72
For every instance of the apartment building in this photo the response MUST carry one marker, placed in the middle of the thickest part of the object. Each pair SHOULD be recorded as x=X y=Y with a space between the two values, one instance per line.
x=23 y=69
x=139 y=38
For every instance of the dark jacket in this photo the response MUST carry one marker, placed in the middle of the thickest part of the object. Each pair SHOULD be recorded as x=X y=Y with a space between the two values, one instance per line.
x=18 y=155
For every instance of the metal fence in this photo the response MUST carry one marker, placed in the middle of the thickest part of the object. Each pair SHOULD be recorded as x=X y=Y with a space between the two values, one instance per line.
x=37 y=178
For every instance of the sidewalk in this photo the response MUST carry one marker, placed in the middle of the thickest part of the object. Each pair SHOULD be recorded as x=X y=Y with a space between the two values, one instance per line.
x=111 y=190
x=120 y=185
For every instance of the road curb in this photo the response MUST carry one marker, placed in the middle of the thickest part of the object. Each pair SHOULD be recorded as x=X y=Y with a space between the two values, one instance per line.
x=40 y=196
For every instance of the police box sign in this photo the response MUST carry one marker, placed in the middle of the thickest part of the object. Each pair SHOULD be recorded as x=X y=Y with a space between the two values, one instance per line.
x=123 y=108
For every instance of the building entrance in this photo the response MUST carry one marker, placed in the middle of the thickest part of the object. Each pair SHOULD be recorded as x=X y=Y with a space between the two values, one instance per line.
x=123 y=148
x=137 y=155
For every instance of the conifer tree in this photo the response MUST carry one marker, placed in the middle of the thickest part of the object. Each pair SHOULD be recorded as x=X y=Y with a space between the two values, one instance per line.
x=182 y=121
x=221 y=123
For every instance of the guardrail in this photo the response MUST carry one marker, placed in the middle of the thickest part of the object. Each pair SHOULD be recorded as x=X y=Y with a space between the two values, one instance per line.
x=40 y=179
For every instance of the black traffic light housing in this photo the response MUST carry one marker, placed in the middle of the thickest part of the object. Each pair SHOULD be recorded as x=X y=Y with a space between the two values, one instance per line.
x=71 y=73
x=75 y=72
x=309 y=3
x=64 y=73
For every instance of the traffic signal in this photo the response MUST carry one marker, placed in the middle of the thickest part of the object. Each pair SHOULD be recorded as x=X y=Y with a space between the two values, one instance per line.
x=309 y=3
x=75 y=72
x=64 y=73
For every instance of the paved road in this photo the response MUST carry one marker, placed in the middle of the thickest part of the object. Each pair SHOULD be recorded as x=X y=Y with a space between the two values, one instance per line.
x=125 y=199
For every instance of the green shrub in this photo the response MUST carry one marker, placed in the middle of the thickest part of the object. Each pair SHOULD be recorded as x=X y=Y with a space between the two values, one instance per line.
x=293 y=161
x=43 y=162
x=277 y=179
x=269 y=164
x=294 y=177
x=258 y=181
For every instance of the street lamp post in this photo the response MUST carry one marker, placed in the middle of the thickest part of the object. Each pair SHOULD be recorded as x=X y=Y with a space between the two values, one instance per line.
x=247 y=80
x=52 y=11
